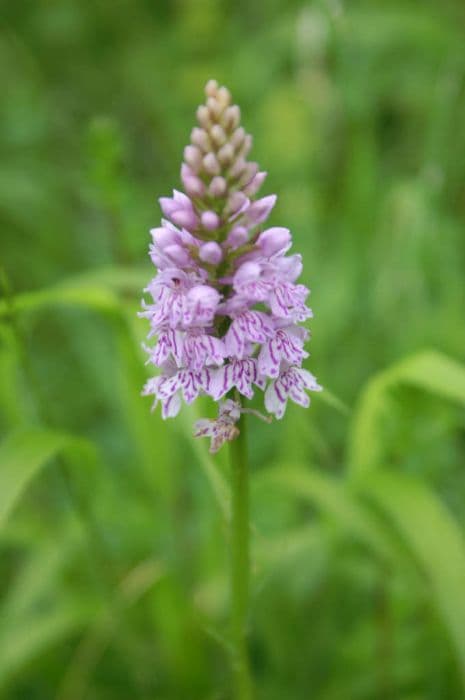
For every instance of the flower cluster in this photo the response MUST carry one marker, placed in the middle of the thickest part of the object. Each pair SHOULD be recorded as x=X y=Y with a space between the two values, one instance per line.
x=225 y=304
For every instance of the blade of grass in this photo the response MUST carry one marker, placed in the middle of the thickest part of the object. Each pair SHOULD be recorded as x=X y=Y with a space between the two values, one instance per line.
x=137 y=582
x=334 y=498
x=430 y=371
x=22 y=456
x=98 y=290
x=435 y=541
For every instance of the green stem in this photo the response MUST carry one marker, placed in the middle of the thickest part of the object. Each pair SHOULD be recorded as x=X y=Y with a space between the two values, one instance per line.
x=240 y=565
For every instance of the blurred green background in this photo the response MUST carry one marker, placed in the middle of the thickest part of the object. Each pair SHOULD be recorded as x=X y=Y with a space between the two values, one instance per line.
x=112 y=523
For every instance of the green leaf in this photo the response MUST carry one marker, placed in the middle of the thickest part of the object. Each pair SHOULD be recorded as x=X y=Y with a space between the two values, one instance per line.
x=435 y=541
x=148 y=432
x=303 y=540
x=22 y=455
x=429 y=370
x=34 y=614
x=122 y=280
x=37 y=633
x=98 y=290
x=436 y=373
x=137 y=583
x=72 y=293
x=13 y=410
x=334 y=498
x=25 y=452
x=37 y=578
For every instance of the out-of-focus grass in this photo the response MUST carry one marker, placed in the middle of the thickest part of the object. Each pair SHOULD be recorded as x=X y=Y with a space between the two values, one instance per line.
x=113 y=554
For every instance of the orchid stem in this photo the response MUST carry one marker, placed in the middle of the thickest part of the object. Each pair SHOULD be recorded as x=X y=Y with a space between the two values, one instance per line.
x=240 y=564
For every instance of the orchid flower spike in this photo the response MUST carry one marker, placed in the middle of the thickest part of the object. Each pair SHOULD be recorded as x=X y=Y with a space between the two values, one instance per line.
x=226 y=309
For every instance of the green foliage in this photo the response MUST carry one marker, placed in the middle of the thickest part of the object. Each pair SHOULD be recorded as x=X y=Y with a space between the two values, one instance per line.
x=22 y=455
x=113 y=557
x=429 y=371
x=436 y=541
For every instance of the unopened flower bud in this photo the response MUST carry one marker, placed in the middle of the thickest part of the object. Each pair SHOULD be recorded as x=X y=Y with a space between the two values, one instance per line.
x=249 y=173
x=179 y=209
x=168 y=206
x=254 y=185
x=211 y=165
x=203 y=116
x=210 y=220
x=214 y=108
x=211 y=88
x=259 y=210
x=237 y=236
x=163 y=236
x=223 y=96
x=274 y=240
x=246 y=145
x=238 y=167
x=248 y=272
x=178 y=201
x=177 y=254
x=194 y=187
x=185 y=219
x=218 y=186
x=211 y=253
x=193 y=184
x=226 y=154
x=237 y=138
x=199 y=137
x=231 y=117
x=237 y=203
x=193 y=157
x=218 y=135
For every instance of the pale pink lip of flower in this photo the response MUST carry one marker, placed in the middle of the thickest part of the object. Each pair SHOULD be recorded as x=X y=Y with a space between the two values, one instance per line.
x=226 y=306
